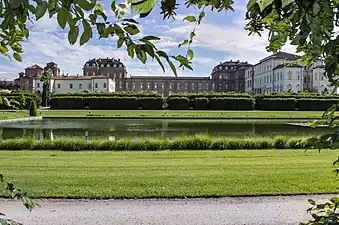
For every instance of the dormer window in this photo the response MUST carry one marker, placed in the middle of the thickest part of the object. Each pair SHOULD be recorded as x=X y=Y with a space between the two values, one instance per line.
x=102 y=65
x=108 y=65
x=114 y=65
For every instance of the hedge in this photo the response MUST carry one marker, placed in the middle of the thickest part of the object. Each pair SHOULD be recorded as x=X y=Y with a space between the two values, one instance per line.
x=151 y=103
x=178 y=103
x=279 y=104
x=231 y=104
x=211 y=95
x=200 y=103
x=108 y=94
x=130 y=103
x=315 y=104
x=20 y=97
x=186 y=143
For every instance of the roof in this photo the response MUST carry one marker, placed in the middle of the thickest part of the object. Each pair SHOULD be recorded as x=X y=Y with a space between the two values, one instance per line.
x=104 y=61
x=281 y=55
x=168 y=78
x=234 y=63
x=35 y=66
x=293 y=65
x=78 y=77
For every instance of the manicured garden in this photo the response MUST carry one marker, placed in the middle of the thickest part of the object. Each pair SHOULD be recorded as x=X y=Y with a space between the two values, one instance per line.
x=100 y=174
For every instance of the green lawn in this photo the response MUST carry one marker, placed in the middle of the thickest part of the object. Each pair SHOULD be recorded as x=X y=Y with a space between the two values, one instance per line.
x=167 y=113
x=169 y=174
x=11 y=114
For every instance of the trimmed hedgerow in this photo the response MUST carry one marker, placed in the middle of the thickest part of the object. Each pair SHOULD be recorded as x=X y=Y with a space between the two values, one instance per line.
x=314 y=104
x=181 y=143
x=200 y=103
x=178 y=103
x=151 y=103
x=231 y=104
x=280 y=104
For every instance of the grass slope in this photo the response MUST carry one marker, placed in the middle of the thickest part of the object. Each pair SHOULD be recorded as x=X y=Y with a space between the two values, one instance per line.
x=169 y=174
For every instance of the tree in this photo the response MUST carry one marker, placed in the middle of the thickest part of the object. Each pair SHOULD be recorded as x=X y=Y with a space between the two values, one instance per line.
x=45 y=96
x=32 y=109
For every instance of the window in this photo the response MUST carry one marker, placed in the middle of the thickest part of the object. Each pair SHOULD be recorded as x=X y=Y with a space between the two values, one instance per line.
x=121 y=75
x=58 y=85
x=193 y=85
x=148 y=85
x=155 y=86
x=93 y=65
x=70 y=86
x=80 y=86
x=105 y=85
x=141 y=85
x=186 y=85
x=38 y=85
x=322 y=77
x=162 y=86
x=89 y=86
x=108 y=65
x=87 y=64
x=220 y=77
x=96 y=85
x=170 y=86
x=178 y=85
x=114 y=65
x=87 y=74
x=120 y=85
x=102 y=65
x=115 y=75
x=281 y=76
x=93 y=73
x=290 y=75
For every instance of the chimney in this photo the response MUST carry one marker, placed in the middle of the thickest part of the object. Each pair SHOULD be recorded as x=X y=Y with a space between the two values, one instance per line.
x=66 y=74
x=231 y=60
x=119 y=60
x=238 y=61
x=77 y=75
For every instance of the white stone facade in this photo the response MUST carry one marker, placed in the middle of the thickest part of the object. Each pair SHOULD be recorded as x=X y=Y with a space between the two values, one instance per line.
x=281 y=72
x=64 y=84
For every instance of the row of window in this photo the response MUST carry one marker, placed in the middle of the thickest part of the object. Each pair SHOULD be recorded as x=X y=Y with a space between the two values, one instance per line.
x=115 y=75
x=104 y=65
x=96 y=85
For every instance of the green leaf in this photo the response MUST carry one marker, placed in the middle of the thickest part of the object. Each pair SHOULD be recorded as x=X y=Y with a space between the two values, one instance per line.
x=51 y=5
x=73 y=34
x=84 y=4
x=190 y=18
x=185 y=42
x=335 y=200
x=250 y=4
x=17 y=56
x=190 y=54
x=87 y=34
x=170 y=63
x=15 y=4
x=151 y=38
x=123 y=6
x=141 y=55
x=120 y=42
x=159 y=62
x=113 y=6
x=143 y=7
x=264 y=4
x=131 y=29
x=192 y=35
x=201 y=15
x=286 y=2
x=99 y=7
x=130 y=50
x=62 y=18
x=1 y=178
x=41 y=10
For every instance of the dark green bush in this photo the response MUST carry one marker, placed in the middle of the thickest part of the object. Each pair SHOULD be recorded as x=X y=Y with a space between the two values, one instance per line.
x=279 y=104
x=149 y=103
x=315 y=104
x=231 y=104
x=200 y=103
x=178 y=103
x=32 y=109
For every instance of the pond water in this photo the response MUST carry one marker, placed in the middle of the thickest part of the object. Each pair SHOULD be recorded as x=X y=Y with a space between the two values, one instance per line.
x=112 y=129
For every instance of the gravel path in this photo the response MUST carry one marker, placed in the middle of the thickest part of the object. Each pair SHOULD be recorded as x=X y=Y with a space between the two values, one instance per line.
x=249 y=210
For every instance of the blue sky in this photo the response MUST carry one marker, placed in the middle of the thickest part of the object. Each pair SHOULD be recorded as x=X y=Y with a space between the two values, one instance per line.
x=220 y=37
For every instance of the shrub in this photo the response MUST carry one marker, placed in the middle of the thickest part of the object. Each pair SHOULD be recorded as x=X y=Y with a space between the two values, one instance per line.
x=283 y=104
x=200 y=103
x=231 y=103
x=315 y=104
x=32 y=109
x=178 y=103
x=151 y=103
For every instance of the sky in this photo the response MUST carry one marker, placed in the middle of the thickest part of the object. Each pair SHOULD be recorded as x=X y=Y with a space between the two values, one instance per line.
x=220 y=37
